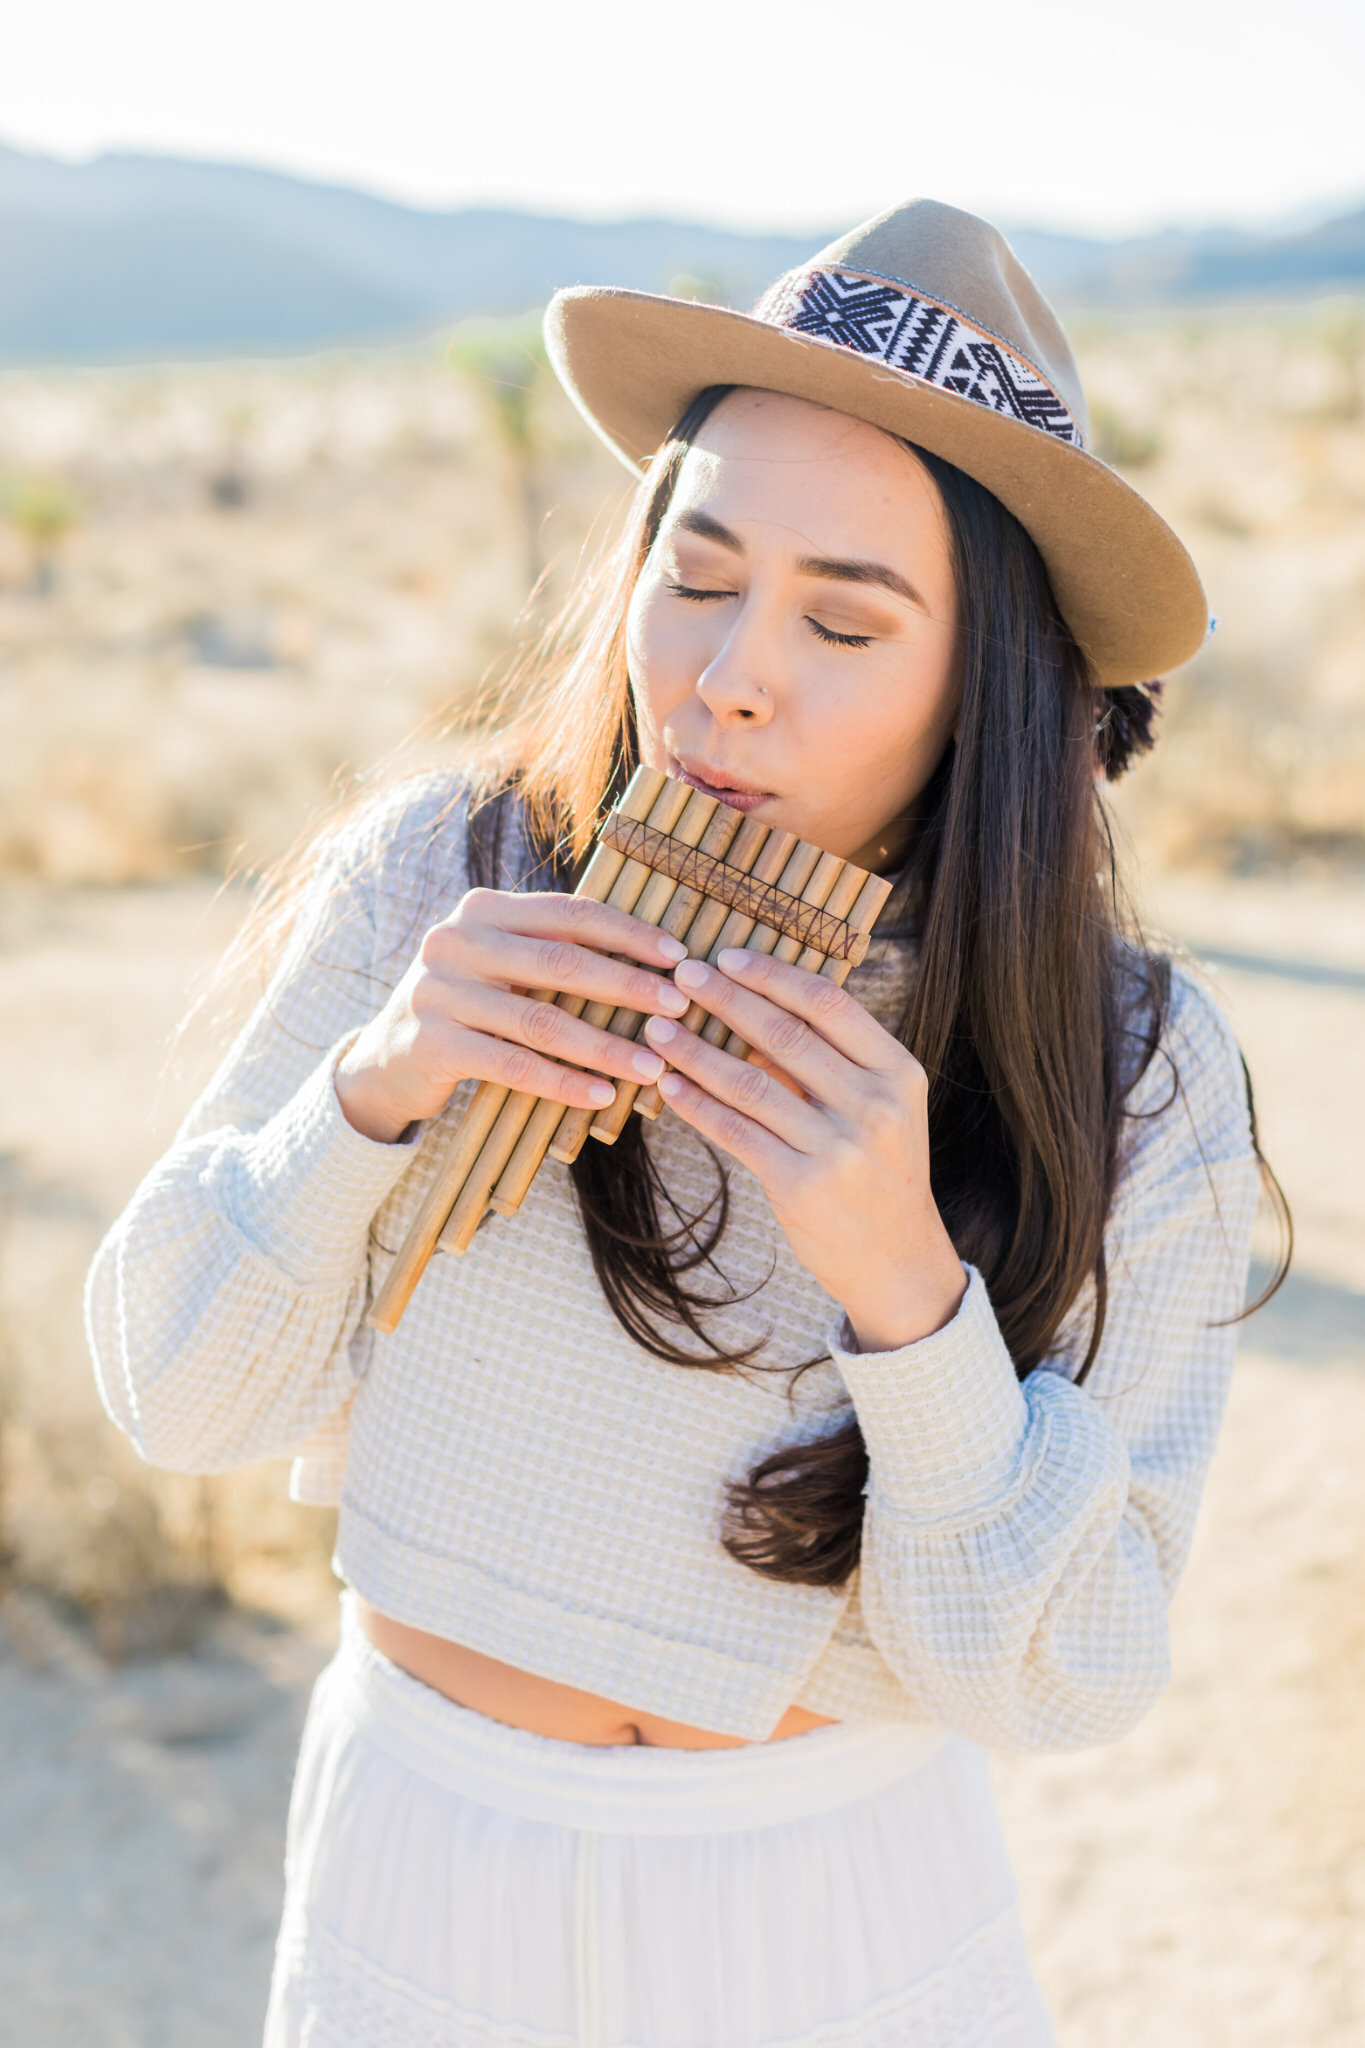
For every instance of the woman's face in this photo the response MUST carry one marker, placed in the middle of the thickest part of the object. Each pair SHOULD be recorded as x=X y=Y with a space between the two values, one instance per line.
x=793 y=635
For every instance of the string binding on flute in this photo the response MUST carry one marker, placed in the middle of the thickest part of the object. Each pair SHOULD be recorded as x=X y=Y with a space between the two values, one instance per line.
x=762 y=901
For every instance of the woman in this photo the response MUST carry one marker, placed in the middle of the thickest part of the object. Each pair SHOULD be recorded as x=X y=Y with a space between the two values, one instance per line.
x=702 y=1522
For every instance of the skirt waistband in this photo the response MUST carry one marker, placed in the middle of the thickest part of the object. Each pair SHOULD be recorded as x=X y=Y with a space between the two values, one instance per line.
x=618 y=1789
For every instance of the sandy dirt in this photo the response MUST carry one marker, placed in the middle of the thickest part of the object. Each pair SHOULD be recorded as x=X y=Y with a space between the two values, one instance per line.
x=1196 y=1886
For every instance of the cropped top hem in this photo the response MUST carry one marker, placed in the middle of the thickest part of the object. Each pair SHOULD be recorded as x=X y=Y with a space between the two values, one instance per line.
x=616 y=1659
x=854 y=1682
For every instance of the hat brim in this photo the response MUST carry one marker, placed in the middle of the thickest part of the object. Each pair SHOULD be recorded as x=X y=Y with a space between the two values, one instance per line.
x=632 y=362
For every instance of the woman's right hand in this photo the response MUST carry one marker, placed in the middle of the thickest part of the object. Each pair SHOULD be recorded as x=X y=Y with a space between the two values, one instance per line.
x=477 y=1003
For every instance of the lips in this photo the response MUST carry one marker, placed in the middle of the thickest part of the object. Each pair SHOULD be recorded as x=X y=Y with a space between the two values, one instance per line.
x=712 y=782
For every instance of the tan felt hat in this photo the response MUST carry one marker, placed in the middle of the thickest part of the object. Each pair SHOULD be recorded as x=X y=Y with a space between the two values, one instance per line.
x=923 y=322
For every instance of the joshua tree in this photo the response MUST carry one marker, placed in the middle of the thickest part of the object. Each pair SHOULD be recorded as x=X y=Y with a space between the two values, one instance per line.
x=1343 y=333
x=43 y=509
x=507 y=363
x=230 y=484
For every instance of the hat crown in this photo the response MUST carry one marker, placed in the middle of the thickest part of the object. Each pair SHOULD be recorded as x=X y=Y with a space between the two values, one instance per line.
x=922 y=322
x=939 y=252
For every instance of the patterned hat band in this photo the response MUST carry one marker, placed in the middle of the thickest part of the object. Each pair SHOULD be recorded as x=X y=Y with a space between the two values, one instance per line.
x=905 y=330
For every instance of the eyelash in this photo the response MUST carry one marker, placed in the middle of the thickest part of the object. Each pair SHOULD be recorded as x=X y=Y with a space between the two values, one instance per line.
x=833 y=639
x=825 y=633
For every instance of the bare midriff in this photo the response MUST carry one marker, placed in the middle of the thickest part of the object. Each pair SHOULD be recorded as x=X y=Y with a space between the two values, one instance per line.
x=542 y=1705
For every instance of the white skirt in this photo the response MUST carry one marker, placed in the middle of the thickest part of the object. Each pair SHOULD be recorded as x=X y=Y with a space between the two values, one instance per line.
x=454 y=1883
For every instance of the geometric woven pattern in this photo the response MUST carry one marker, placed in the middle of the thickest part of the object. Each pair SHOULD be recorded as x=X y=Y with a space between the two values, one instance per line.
x=908 y=332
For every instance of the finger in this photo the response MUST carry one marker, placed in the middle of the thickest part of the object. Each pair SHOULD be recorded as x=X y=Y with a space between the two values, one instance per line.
x=578 y=919
x=784 y=1038
x=563 y=967
x=738 y=1085
x=554 y=1033
x=766 y=1157
x=475 y=1056
x=760 y=1059
x=829 y=1010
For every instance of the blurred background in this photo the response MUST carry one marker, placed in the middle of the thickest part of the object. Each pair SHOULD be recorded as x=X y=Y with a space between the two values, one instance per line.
x=283 y=476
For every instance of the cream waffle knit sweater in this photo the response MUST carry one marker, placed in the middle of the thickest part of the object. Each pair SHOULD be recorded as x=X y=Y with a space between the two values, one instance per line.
x=514 y=1473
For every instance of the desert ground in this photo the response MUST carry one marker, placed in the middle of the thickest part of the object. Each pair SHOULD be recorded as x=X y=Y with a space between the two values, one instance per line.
x=258 y=580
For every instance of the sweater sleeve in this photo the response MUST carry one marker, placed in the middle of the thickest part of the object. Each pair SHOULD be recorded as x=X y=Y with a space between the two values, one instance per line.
x=225 y=1306
x=1022 y=1540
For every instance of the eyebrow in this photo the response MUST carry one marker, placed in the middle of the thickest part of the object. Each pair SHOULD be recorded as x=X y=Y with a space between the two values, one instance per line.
x=826 y=566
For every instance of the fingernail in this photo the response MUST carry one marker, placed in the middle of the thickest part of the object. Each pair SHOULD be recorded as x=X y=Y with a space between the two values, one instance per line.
x=733 y=960
x=672 y=998
x=649 y=1064
x=672 y=949
x=670 y=1084
x=660 y=1029
x=602 y=1093
x=691 y=974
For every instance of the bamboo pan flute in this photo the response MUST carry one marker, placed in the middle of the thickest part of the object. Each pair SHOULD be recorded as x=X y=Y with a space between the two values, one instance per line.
x=711 y=878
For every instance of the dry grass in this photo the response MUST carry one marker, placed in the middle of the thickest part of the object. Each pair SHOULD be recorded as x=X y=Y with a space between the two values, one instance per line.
x=223 y=593
x=261 y=579
x=266 y=575
x=275 y=573
x=225 y=589
x=90 y=985
x=1197 y=1886
x=1255 y=451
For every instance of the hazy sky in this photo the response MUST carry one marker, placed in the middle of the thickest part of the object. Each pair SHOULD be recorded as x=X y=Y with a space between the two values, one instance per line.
x=1066 y=111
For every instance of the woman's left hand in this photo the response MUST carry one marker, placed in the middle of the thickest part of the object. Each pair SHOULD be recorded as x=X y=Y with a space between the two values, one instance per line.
x=842 y=1155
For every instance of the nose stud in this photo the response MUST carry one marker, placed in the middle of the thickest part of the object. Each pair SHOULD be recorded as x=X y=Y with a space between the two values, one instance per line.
x=762 y=690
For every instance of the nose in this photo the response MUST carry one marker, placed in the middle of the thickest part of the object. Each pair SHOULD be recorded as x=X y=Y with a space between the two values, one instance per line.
x=735 y=687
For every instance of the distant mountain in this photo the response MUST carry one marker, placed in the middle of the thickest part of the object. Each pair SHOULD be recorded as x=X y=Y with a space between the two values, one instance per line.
x=131 y=257
x=1191 y=267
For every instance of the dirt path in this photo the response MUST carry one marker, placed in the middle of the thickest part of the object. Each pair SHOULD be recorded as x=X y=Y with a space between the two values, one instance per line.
x=140 y=1833
x=1202 y=1884
x=1197 y=1886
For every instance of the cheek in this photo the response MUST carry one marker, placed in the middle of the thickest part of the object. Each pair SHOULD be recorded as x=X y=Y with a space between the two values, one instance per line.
x=882 y=731
x=891 y=711
x=660 y=654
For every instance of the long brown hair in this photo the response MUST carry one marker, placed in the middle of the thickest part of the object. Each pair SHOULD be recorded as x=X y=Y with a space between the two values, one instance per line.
x=1034 y=1006
x=1033 y=1011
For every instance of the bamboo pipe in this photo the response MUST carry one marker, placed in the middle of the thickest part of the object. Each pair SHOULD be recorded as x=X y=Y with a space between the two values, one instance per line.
x=796 y=862
x=842 y=898
x=695 y=918
x=705 y=822
x=809 y=874
x=858 y=899
x=802 y=860
x=866 y=910
x=864 y=913
x=567 y=1130
x=703 y=935
x=471 y=1198
x=825 y=872
x=778 y=854
x=599 y=878
x=839 y=902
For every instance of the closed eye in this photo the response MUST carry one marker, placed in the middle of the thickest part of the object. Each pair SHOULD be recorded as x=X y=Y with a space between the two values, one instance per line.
x=833 y=639
x=825 y=633
x=698 y=596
